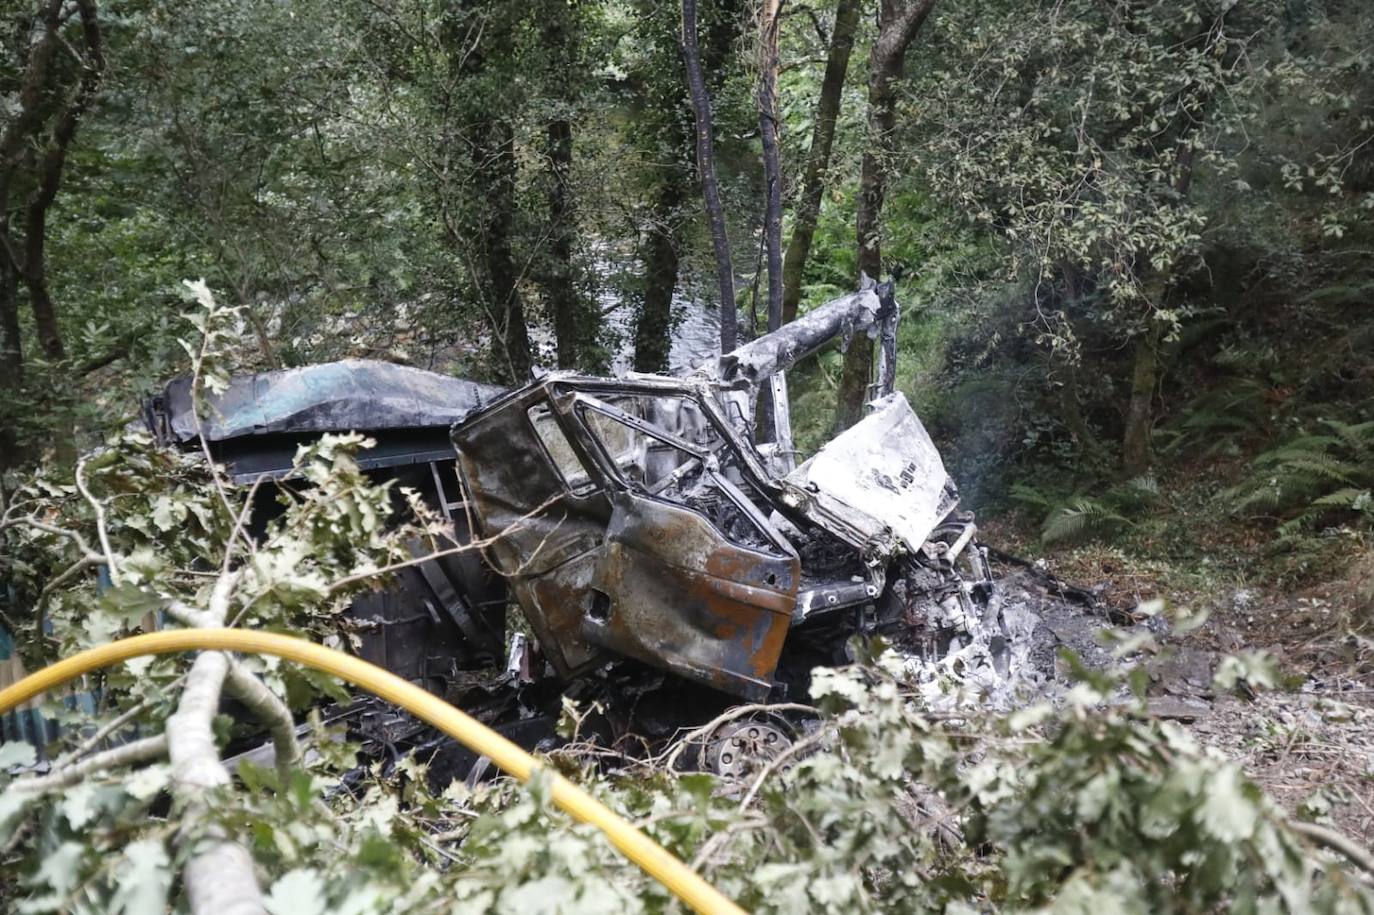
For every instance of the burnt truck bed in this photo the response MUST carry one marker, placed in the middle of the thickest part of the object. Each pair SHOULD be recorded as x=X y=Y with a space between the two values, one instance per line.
x=642 y=520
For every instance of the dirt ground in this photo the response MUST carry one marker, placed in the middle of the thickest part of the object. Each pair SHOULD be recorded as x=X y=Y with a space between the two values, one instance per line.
x=1309 y=741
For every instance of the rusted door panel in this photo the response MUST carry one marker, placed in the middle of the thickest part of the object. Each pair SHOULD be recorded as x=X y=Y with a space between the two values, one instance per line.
x=674 y=593
x=545 y=539
x=555 y=604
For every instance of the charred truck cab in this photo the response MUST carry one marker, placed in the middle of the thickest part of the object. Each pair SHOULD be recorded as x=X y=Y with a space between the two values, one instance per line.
x=645 y=521
x=637 y=518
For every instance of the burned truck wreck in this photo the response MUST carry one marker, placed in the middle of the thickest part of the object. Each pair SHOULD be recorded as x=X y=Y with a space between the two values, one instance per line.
x=669 y=557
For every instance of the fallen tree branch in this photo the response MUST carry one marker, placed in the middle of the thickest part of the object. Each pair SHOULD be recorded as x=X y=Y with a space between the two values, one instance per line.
x=132 y=753
x=266 y=706
x=1332 y=840
x=270 y=711
x=219 y=877
x=90 y=743
x=100 y=525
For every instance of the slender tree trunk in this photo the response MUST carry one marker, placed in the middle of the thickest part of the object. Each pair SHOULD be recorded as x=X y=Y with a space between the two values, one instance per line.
x=559 y=285
x=11 y=353
x=34 y=85
x=11 y=349
x=653 y=330
x=772 y=207
x=497 y=165
x=898 y=24
x=1136 y=453
x=24 y=141
x=36 y=281
x=772 y=160
x=478 y=114
x=706 y=169
x=51 y=166
x=818 y=157
x=560 y=33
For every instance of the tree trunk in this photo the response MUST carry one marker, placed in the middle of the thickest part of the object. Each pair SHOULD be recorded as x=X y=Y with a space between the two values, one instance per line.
x=36 y=281
x=898 y=24
x=479 y=110
x=11 y=348
x=32 y=90
x=560 y=34
x=1136 y=452
x=496 y=163
x=653 y=330
x=51 y=166
x=772 y=161
x=11 y=352
x=706 y=169
x=818 y=157
x=558 y=282
x=772 y=207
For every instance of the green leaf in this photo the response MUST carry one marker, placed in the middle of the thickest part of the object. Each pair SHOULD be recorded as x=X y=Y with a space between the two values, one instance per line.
x=144 y=880
x=17 y=753
x=129 y=603
x=61 y=867
x=148 y=781
x=298 y=892
x=78 y=804
x=1229 y=811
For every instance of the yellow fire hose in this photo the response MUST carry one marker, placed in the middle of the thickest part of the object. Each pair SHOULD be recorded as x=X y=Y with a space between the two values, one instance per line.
x=677 y=877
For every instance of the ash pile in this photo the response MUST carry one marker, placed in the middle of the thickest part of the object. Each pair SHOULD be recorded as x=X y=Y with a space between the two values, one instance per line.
x=1020 y=660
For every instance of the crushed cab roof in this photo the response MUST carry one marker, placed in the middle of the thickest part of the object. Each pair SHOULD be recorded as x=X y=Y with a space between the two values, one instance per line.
x=353 y=394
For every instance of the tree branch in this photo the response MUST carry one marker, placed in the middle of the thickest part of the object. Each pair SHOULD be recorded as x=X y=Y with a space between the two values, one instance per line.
x=128 y=754
x=219 y=877
x=266 y=706
x=100 y=525
x=1335 y=841
x=269 y=709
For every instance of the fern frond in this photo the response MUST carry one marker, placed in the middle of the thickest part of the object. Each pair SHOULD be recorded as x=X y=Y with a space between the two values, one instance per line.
x=1146 y=486
x=1029 y=495
x=1350 y=497
x=1358 y=436
x=1319 y=466
x=1078 y=517
x=1265 y=495
x=1294 y=526
x=1302 y=446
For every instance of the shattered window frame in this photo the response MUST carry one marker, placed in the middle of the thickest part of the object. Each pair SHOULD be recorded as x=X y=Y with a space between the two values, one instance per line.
x=551 y=418
x=584 y=403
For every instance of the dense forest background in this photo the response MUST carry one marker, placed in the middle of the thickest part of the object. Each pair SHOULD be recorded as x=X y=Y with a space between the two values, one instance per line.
x=1133 y=245
x=1131 y=239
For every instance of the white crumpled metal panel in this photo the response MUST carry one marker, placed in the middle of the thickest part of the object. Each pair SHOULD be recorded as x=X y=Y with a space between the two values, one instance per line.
x=883 y=476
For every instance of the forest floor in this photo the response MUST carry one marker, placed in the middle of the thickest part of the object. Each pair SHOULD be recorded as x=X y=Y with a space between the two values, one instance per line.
x=1308 y=740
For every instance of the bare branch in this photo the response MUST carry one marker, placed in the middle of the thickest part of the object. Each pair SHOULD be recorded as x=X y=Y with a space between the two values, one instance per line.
x=219 y=877
x=269 y=709
x=114 y=724
x=100 y=524
x=266 y=706
x=470 y=546
x=1334 y=841
x=53 y=529
x=128 y=754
